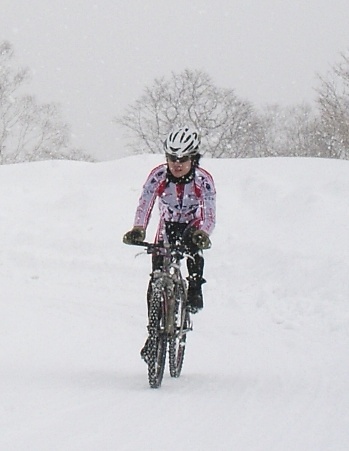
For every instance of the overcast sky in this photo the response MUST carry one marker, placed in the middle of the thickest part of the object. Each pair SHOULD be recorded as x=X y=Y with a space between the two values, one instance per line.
x=95 y=57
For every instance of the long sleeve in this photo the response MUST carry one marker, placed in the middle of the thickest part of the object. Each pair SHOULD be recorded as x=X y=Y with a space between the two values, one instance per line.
x=208 y=195
x=148 y=196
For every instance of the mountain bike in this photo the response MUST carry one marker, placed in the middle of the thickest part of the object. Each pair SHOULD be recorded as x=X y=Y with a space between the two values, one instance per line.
x=169 y=320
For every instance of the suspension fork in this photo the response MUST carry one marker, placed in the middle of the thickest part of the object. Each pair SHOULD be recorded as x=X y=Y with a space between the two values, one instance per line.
x=162 y=282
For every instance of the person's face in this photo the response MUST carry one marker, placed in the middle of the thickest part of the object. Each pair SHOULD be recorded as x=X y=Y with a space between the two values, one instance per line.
x=179 y=166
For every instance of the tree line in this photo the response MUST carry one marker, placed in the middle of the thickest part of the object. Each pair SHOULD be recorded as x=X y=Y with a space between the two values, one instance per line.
x=29 y=131
x=230 y=127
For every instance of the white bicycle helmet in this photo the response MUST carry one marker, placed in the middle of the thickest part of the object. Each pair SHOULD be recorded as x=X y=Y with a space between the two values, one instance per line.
x=183 y=142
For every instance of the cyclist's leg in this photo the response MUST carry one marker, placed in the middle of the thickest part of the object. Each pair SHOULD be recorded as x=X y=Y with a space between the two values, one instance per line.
x=195 y=263
x=195 y=267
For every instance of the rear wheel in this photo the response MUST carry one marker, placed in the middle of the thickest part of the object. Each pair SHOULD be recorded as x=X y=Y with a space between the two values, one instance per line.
x=177 y=341
x=157 y=338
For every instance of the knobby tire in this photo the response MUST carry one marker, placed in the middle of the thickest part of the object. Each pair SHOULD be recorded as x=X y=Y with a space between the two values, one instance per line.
x=157 y=338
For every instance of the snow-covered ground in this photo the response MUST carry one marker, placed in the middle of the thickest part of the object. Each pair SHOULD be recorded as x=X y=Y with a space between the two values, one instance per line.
x=267 y=366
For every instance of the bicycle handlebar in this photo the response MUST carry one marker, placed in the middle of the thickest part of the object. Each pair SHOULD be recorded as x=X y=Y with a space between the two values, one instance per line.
x=151 y=247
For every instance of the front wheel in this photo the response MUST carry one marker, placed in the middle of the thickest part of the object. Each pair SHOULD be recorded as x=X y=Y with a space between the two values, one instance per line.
x=157 y=338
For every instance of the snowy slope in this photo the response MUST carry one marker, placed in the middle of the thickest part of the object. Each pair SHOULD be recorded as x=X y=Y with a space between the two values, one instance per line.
x=267 y=365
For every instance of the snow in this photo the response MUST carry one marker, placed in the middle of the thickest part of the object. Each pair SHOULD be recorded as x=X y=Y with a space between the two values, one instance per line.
x=266 y=366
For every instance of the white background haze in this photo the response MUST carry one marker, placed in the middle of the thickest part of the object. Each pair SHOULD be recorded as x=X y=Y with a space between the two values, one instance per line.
x=96 y=56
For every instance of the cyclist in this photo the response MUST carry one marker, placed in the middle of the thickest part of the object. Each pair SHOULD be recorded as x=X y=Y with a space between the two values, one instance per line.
x=187 y=198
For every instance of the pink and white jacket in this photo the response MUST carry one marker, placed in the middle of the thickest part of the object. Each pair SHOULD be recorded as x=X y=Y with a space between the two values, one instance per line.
x=193 y=202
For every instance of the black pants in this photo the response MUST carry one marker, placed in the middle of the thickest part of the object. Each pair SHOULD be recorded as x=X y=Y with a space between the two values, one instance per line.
x=182 y=233
x=178 y=232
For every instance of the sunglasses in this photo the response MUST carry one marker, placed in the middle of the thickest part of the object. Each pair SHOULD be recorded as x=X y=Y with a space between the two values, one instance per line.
x=175 y=159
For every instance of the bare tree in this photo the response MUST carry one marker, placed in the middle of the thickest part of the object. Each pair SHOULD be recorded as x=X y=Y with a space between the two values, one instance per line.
x=273 y=119
x=231 y=127
x=29 y=131
x=228 y=125
x=292 y=131
x=333 y=104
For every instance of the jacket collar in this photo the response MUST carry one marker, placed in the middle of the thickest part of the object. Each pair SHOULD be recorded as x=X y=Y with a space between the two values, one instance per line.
x=187 y=178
